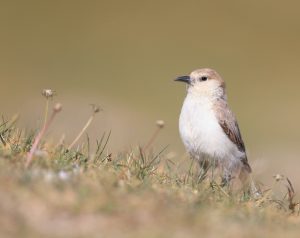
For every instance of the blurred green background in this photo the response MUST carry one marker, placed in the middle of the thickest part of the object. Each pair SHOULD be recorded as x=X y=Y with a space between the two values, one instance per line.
x=124 y=55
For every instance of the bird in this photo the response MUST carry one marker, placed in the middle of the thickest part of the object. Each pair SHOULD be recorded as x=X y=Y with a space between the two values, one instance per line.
x=209 y=129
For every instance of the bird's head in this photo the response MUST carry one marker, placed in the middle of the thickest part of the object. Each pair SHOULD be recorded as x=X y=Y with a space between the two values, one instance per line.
x=203 y=82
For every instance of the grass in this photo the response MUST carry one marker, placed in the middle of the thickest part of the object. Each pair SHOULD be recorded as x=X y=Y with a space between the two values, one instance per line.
x=66 y=192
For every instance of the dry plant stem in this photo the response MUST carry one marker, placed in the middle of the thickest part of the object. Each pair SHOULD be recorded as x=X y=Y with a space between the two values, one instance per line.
x=38 y=138
x=82 y=131
x=152 y=139
x=46 y=112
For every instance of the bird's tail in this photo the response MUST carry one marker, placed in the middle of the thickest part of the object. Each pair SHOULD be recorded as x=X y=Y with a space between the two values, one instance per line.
x=246 y=166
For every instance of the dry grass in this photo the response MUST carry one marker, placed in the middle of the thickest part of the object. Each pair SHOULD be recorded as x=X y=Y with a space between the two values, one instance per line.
x=137 y=193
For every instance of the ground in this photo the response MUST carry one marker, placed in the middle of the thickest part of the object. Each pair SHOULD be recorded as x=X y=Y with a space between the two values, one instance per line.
x=65 y=192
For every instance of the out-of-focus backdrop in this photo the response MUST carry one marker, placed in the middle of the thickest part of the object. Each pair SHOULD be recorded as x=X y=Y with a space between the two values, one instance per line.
x=124 y=55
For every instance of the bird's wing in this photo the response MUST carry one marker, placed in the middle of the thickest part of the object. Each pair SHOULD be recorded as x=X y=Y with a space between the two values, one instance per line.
x=230 y=126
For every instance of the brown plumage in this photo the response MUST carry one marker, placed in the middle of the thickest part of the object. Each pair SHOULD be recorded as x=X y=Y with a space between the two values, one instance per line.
x=230 y=126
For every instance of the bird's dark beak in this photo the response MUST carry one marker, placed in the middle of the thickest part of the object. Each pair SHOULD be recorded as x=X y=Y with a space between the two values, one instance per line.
x=185 y=79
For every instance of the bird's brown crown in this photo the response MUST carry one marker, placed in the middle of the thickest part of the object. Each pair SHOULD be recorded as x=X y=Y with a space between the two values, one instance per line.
x=206 y=74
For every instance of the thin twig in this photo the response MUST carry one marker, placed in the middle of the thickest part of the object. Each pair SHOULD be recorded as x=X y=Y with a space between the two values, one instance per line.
x=46 y=112
x=82 y=131
x=56 y=109
x=160 y=124
x=152 y=139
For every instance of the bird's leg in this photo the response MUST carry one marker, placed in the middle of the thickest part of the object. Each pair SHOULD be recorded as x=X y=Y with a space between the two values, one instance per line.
x=204 y=167
x=204 y=164
x=214 y=165
x=226 y=178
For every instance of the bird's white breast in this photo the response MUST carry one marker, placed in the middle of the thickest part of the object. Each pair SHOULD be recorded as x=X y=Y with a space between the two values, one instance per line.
x=200 y=130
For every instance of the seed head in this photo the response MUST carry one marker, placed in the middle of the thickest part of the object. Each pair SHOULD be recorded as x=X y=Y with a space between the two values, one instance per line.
x=96 y=108
x=57 y=107
x=48 y=93
x=278 y=177
x=160 y=123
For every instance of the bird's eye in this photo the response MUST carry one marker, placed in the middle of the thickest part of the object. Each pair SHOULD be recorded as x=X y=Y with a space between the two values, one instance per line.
x=203 y=78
